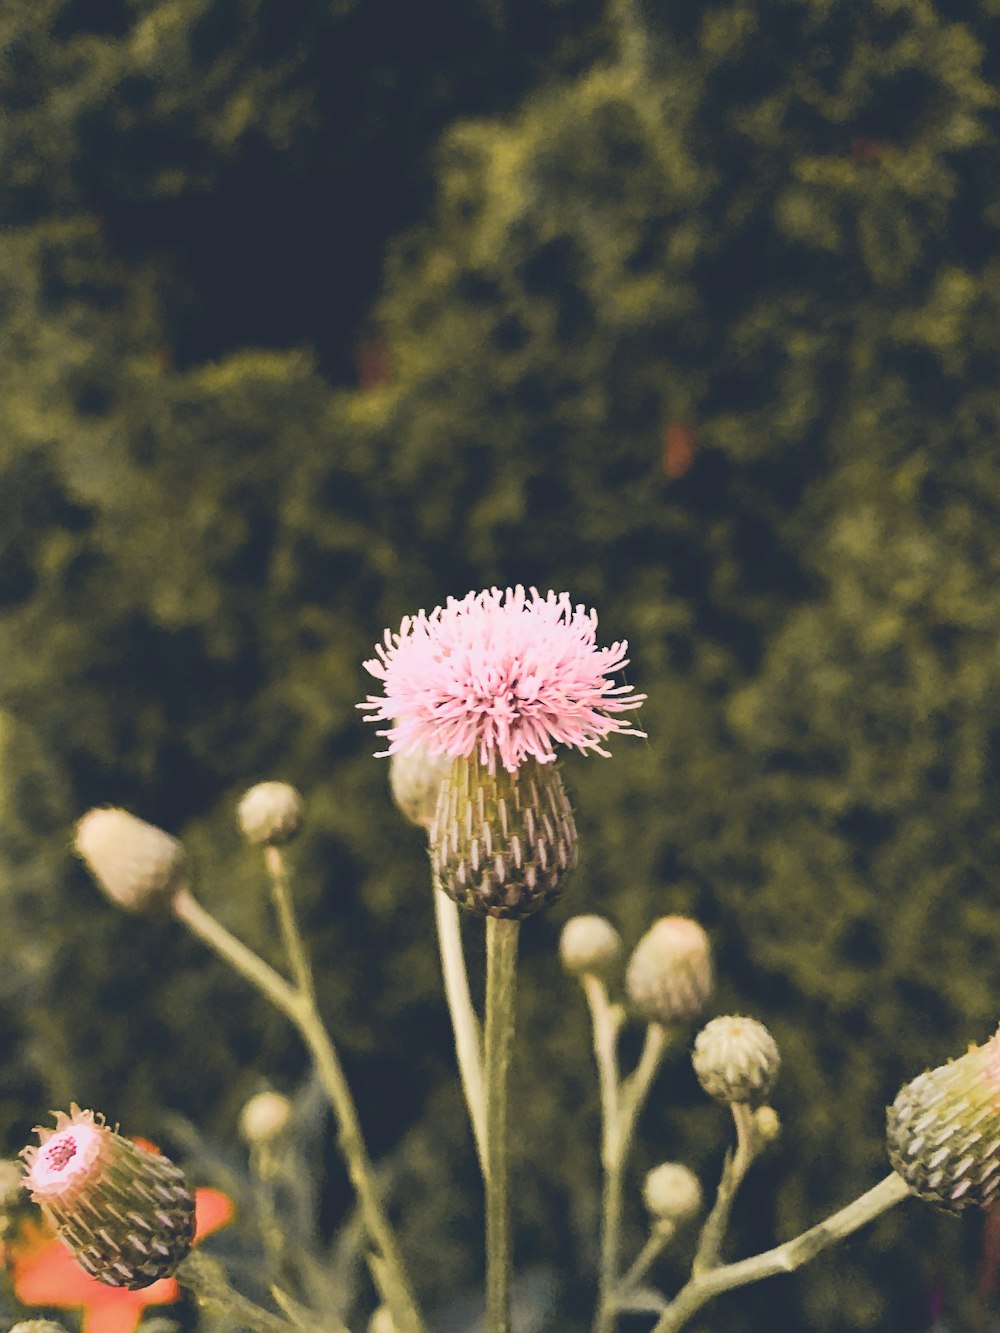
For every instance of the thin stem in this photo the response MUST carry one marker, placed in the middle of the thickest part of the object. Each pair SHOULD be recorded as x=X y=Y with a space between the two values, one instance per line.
x=300 y=1008
x=291 y=938
x=656 y=1243
x=783 y=1258
x=207 y=1279
x=606 y=1023
x=735 y=1168
x=501 y=985
x=465 y=1024
x=635 y=1088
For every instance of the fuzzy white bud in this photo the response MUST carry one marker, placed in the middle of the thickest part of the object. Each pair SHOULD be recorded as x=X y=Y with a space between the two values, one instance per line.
x=589 y=944
x=135 y=864
x=415 y=777
x=669 y=976
x=270 y=813
x=672 y=1193
x=264 y=1117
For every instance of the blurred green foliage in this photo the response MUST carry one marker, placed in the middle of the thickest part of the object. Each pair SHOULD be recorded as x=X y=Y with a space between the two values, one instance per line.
x=691 y=310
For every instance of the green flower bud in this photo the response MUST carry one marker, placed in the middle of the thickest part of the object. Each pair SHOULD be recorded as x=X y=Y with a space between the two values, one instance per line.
x=669 y=976
x=270 y=813
x=589 y=944
x=943 y=1131
x=500 y=843
x=135 y=864
x=736 y=1059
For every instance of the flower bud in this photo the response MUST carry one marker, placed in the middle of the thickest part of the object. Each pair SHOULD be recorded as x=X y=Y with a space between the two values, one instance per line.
x=135 y=864
x=264 y=1117
x=589 y=944
x=415 y=777
x=672 y=1193
x=382 y=1321
x=125 y=1212
x=270 y=813
x=669 y=976
x=501 y=842
x=736 y=1059
x=766 y=1124
x=943 y=1131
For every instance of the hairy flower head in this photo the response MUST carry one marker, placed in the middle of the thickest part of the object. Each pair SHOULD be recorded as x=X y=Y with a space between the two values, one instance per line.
x=503 y=674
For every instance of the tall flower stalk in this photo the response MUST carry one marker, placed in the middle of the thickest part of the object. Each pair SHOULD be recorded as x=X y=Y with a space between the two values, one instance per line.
x=493 y=683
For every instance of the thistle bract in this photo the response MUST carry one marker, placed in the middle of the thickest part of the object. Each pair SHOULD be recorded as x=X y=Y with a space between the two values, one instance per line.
x=125 y=1212
x=943 y=1131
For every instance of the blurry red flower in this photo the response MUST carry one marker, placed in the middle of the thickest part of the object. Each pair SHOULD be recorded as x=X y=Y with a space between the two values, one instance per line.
x=678 y=449
x=46 y=1274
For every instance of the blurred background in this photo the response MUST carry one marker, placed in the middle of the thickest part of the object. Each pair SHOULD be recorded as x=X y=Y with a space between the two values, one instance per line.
x=314 y=312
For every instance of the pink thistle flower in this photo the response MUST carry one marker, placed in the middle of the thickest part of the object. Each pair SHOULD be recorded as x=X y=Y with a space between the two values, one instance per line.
x=502 y=674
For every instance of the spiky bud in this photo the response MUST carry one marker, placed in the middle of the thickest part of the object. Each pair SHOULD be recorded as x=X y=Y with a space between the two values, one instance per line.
x=736 y=1059
x=263 y=1118
x=135 y=864
x=270 y=814
x=125 y=1212
x=672 y=1193
x=669 y=976
x=415 y=777
x=589 y=944
x=500 y=843
x=943 y=1131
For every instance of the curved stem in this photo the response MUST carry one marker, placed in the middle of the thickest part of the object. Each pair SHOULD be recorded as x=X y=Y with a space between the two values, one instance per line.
x=656 y=1243
x=291 y=938
x=501 y=984
x=783 y=1258
x=465 y=1024
x=606 y=1023
x=735 y=1168
x=300 y=1009
x=207 y=1280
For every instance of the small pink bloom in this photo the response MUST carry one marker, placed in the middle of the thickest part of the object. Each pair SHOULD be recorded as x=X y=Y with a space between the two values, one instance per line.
x=505 y=673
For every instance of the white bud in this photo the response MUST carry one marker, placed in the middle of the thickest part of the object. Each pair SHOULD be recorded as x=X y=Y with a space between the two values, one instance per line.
x=415 y=777
x=669 y=975
x=270 y=813
x=136 y=864
x=672 y=1193
x=589 y=944
x=264 y=1117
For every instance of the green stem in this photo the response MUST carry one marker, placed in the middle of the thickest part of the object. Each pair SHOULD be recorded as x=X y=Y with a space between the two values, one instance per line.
x=783 y=1258
x=606 y=1023
x=299 y=1007
x=501 y=985
x=465 y=1024
x=290 y=936
x=656 y=1243
x=735 y=1168
x=207 y=1279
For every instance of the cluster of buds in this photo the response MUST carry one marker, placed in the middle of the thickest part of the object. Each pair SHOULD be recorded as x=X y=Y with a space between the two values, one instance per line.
x=126 y=1212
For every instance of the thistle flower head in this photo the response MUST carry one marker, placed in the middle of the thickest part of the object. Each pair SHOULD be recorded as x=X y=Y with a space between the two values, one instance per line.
x=589 y=944
x=125 y=1212
x=504 y=675
x=943 y=1131
x=264 y=1117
